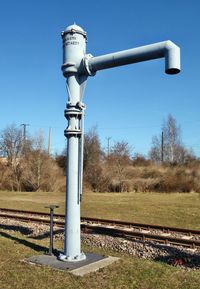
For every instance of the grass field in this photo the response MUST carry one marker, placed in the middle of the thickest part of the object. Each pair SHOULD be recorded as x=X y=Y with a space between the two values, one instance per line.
x=180 y=210
x=130 y=272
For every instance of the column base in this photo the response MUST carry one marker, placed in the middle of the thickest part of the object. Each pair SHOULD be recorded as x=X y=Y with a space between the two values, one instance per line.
x=77 y=258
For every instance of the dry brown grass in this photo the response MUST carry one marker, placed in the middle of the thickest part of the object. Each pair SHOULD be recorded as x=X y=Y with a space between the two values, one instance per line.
x=178 y=209
x=152 y=178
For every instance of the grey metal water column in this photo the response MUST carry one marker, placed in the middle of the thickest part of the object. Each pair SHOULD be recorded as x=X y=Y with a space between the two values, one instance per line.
x=74 y=46
x=77 y=66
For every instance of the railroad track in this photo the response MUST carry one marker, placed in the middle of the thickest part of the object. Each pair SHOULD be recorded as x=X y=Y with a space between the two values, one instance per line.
x=131 y=230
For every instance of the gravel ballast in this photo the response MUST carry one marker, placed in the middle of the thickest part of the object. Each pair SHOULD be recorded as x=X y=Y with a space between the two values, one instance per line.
x=173 y=255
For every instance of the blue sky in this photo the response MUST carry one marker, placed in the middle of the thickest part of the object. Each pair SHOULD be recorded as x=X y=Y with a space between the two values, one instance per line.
x=126 y=103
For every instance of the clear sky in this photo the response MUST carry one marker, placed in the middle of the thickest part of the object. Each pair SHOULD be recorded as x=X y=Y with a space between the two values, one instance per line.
x=126 y=103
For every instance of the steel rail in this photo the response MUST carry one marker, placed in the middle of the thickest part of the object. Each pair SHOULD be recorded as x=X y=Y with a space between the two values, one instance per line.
x=27 y=212
x=31 y=219
x=89 y=228
x=112 y=222
x=142 y=225
x=141 y=236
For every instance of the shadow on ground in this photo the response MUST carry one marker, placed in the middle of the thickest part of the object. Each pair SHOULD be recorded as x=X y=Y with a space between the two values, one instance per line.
x=47 y=234
x=181 y=259
x=26 y=243
x=175 y=256
x=160 y=253
x=23 y=230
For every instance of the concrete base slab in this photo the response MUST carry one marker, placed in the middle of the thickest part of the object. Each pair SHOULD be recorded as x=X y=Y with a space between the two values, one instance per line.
x=93 y=267
x=92 y=263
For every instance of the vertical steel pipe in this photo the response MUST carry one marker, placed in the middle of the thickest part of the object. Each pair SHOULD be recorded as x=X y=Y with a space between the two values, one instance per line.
x=74 y=45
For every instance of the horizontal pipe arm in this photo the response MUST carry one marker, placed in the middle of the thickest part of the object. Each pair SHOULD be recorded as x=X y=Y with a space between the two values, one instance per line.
x=166 y=49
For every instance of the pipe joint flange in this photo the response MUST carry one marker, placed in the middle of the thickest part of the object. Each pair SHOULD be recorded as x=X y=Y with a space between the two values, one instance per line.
x=86 y=64
x=71 y=105
x=73 y=31
x=72 y=113
x=70 y=132
x=72 y=108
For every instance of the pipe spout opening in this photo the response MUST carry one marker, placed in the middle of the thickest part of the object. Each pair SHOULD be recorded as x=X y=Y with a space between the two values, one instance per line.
x=172 y=58
x=172 y=70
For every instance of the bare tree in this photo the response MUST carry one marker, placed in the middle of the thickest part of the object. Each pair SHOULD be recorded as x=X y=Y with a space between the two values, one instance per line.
x=92 y=159
x=172 y=140
x=119 y=159
x=11 y=143
x=34 y=162
x=40 y=172
x=92 y=148
x=173 y=148
x=155 y=152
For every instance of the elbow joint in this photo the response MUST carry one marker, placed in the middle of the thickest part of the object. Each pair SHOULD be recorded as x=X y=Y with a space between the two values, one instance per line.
x=172 y=58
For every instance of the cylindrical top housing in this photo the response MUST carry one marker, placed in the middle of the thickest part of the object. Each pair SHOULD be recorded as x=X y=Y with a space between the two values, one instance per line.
x=74 y=49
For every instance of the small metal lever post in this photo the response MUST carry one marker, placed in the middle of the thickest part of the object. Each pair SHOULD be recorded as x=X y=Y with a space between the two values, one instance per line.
x=51 y=207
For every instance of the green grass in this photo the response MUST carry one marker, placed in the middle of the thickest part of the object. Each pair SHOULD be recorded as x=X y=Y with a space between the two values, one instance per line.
x=177 y=209
x=181 y=210
x=129 y=272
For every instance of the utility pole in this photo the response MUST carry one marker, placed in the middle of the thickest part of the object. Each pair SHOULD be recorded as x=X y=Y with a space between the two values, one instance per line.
x=162 y=147
x=49 y=142
x=24 y=137
x=24 y=130
x=108 y=146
